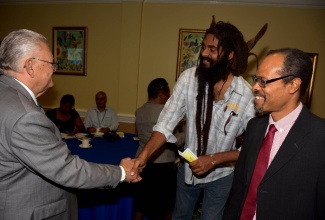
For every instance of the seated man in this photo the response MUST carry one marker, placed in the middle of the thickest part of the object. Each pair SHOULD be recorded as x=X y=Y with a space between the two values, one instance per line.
x=101 y=116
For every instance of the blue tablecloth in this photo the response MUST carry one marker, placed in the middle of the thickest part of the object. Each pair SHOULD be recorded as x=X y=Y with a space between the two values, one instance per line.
x=100 y=204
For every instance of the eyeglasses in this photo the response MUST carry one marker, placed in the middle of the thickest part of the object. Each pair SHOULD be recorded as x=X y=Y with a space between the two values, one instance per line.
x=262 y=83
x=54 y=64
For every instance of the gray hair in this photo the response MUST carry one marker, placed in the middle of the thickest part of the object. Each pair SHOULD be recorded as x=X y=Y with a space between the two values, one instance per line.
x=17 y=45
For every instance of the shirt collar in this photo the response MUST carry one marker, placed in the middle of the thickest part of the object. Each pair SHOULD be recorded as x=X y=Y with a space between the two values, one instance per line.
x=98 y=109
x=288 y=120
x=236 y=86
x=29 y=91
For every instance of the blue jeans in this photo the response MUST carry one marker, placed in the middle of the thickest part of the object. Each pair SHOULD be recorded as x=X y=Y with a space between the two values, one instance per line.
x=215 y=196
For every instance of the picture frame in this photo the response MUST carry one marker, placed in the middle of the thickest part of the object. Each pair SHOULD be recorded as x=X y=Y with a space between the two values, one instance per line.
x=70 y=50
x=189 y=46
x=309 y=92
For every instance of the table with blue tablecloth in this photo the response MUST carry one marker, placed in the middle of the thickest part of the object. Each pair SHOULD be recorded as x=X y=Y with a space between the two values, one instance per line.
x=108 y=204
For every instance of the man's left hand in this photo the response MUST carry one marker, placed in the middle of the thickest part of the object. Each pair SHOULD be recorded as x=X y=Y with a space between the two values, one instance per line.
x=202 y=165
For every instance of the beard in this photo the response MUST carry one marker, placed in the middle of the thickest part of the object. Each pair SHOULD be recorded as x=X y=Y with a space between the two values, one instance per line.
x=213 y=74
x=207 y=76
x=260 y=109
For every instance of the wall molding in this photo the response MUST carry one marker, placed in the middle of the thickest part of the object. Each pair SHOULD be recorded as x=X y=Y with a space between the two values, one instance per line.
x=126 y=118
x=277 y=3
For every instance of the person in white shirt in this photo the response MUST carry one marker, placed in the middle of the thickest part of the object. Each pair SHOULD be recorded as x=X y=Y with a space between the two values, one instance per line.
x=218 y=103
x=101 y=116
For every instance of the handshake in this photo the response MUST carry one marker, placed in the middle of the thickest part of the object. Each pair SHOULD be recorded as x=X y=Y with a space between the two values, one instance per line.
x=132 y=168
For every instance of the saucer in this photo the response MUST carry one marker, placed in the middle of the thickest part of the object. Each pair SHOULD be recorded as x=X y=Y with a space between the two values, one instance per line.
x=81 y=135
x=98 y=134
x=66 y=136
x=89 y=146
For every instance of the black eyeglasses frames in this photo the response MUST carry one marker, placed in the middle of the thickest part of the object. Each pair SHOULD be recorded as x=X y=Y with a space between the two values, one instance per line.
x=262 y=83
x=54 y=64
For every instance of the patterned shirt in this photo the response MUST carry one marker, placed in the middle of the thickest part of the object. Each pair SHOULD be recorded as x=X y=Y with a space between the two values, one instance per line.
x=229 y=119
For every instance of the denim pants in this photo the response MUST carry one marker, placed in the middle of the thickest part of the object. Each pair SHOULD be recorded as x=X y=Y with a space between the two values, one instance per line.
x=215 y=196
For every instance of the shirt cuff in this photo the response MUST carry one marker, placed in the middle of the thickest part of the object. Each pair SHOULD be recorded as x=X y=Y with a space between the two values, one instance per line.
x=123 y=177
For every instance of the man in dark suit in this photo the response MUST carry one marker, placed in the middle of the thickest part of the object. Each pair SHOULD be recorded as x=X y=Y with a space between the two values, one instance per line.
x=293 y=186
x=37 y=171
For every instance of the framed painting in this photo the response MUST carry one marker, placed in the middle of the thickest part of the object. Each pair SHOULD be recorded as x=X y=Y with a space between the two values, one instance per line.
x=307 y=98
x=189 y=45
x=70 y=50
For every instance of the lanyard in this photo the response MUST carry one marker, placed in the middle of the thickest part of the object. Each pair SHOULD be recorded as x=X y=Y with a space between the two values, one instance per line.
x=101 y=121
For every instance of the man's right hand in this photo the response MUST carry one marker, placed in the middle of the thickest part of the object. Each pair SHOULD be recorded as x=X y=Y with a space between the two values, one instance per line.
x=131 y=173
x=138 y=165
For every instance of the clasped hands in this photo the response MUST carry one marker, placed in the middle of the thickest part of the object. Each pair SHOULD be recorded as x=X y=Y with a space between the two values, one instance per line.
x=133 y=168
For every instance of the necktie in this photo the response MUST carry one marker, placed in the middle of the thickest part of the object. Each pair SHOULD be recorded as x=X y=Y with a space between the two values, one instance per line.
x=249 y=207
x=40 y=107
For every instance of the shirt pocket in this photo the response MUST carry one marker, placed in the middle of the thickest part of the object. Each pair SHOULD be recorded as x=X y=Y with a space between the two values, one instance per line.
x=227 y=124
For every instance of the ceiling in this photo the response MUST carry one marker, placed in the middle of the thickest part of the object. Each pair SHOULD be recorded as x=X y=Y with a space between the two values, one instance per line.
x=278 y=3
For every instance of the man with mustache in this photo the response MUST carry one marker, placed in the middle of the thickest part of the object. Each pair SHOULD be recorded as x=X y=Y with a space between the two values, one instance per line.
x=291 y=185
x=217 y=103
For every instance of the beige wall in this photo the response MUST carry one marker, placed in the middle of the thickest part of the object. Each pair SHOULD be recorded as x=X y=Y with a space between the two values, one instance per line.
x=131 y=43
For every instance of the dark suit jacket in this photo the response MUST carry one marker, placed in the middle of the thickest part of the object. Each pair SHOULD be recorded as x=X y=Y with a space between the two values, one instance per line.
x=37 y=171
x=293 y=187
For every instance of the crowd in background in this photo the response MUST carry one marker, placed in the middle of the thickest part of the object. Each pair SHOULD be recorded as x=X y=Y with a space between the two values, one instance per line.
x=100 y=118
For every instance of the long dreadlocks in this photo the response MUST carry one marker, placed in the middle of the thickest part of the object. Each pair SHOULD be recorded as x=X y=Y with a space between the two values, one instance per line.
x=230 y=40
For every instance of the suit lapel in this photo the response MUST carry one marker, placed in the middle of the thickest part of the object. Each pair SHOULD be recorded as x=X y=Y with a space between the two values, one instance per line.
x=292 y=144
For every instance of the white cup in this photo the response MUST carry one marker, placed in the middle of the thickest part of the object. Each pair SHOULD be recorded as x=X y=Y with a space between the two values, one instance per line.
x=85 y=142
x=98 y=130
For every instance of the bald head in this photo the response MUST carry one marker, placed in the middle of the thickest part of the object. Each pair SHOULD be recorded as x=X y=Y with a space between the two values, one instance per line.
x=101 y=100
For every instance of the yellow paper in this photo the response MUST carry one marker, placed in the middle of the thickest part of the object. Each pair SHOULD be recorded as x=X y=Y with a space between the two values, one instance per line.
x=188 y=155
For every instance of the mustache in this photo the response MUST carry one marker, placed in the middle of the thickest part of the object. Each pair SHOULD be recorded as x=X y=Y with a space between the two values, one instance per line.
x=207 y=59
x=257 y=93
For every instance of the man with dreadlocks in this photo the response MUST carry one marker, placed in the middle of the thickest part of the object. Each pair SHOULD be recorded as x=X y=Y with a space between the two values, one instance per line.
x=217 y=103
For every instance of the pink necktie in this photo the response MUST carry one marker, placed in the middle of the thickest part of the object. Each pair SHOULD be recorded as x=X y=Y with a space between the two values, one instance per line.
x=262 y=161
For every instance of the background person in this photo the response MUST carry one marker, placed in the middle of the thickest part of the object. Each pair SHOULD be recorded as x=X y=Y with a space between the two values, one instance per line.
x=293 y=185
x=101 y=116
x=66 y=118
x=217 y=103
x=155 y=194
x=37 y=171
